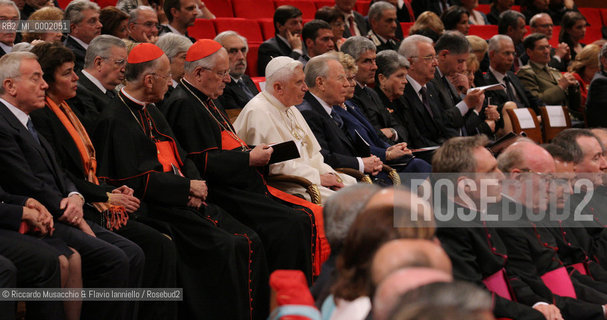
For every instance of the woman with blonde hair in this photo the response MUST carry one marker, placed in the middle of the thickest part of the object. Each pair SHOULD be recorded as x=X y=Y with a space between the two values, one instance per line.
x=428 y=24
x=585 y=65
x=45 y=14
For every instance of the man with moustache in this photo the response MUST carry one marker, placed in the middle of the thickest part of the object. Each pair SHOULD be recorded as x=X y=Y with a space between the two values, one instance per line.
x=220 y=262
x=241 y=89
x=271 y=117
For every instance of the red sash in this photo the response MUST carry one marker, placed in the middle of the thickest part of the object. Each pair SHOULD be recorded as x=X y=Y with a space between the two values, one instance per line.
x=166 y=156
x=322 y=252
x=581 y=267
x=498 y=284
x=559 y=283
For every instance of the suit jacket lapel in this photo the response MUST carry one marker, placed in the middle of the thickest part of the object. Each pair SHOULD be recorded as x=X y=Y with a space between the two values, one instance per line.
x=319 y=109
x=518 y=86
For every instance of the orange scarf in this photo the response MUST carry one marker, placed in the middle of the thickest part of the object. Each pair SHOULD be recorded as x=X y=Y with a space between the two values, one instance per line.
x=115 y=216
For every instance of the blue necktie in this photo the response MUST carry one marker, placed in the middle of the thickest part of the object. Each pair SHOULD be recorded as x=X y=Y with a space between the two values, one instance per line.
x=337 y=118
x=32 y=130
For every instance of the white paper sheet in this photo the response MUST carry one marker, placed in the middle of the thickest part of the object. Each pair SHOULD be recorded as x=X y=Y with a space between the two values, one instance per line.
x=556 y=116
x=525 y=118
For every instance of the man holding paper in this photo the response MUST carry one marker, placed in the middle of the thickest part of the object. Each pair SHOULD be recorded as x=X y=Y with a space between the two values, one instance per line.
x=286 y=224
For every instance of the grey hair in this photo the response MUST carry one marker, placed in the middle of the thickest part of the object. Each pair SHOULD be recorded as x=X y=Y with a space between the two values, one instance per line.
x=222 y=36
x=286 y=72
x=495 y=41
x=22 y=47
x=318 y=67
x=536 y=17
x=356 y=46
x=172 y=44
x=342 y=208
x=408 y=48
x=10 y=64
x=100 y=47
x=376 y=10
x=206 y=62
x=134 y=15
x=73 y=12
x=11 y=4
x=389 y=61
x=459 y=299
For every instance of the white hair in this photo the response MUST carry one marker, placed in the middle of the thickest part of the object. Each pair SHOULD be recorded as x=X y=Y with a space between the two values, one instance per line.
x=408 y=48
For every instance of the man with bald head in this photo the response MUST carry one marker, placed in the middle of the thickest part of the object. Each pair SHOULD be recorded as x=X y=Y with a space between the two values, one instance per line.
x=531 y=246
x=400 y=281
x=211 y=245
x=559 y=57
x=233 y=170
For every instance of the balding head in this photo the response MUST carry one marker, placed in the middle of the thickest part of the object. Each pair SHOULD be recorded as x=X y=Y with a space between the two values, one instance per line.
x=400 y=282
x=405 y=253
x=402 y=199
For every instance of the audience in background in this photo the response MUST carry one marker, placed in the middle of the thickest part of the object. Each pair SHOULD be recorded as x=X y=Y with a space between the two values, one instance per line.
x=573 y=30
x=8 y=13
x=44 y=14
x=114 y=21
x=286 y=41
x=336 y=20
x=497 y=8
x=476 y=17
x=428 y=24
x=596 y=114
x=456 y=18
x=583 y=69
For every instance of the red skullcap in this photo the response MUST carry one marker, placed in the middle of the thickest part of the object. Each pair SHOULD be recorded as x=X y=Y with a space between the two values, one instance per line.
x=202 y=49
x=144 y=52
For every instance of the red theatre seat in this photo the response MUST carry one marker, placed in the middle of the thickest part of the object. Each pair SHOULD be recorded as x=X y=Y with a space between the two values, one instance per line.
x=252 y=60
x=406 y=26
x=593 y=16
x=253 y=9
x=105 y=3
x=516 y=8
x=267 y=27
x=63 y=3
x=246 y=28
x=592 y=34
x=307 y=7
x=222 y=8
x=363 y=7
x=484 y=8
x=324 y=3
x=485 y=32
x=257 y=80
x=202 y=29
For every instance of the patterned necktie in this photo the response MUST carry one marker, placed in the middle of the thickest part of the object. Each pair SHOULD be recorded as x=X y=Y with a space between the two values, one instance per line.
x=245 y=89
x=110 y=93
x=32 y=130
x=337 y=118
x=352 y=26
x=509 y=92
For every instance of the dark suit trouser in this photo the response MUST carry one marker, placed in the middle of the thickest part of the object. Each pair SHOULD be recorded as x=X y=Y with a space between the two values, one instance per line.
x=108 y=261
x=8 y=279
x=37 y=266
x=160 y=267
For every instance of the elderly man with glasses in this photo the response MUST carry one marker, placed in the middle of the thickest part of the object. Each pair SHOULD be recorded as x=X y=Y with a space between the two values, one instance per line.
x=143 y=25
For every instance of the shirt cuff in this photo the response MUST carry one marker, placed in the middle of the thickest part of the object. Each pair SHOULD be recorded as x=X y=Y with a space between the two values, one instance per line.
x=463 y=107
x=361 y=164
x=394 y=134
x=76 y=193
x=539 y=304
x=298 y=51
x=557 y=58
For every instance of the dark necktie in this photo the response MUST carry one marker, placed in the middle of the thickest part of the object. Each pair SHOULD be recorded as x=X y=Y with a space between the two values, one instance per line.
x=337 y=118
x=32 y=130
x=351 y=26
x=245 y=89
x=424 y=95
x=509 y=92
x=110 y=93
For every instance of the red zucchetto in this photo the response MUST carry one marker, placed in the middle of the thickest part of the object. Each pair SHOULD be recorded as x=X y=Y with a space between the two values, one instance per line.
x=202 y=49
x=144 y=52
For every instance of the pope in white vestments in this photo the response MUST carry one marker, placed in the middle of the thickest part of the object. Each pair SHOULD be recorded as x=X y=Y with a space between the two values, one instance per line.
x=267 y=120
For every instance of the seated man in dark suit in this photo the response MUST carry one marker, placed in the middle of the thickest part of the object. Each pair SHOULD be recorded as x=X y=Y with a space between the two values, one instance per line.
x=286 y=42
x=501 y=58
x=383 y=23
x=356 y=25
x=29 y=168
x=512 y=24
x=104 y=68
x=328 y=89
x=452 y=50
x=241 y=89
x=434 y=124
x=597 y=95
x=317 y=36
x=181 y=15
x=8 y=11
x=26 y=261
x=363 y=52
x=84 y=27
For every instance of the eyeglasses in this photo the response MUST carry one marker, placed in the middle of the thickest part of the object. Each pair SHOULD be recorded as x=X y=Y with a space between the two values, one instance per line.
x=428 y=58
x=236 y=50
x=547 y=177
x=220 y=74
x=150 y=24
x=119 y=63
x=546 y=25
